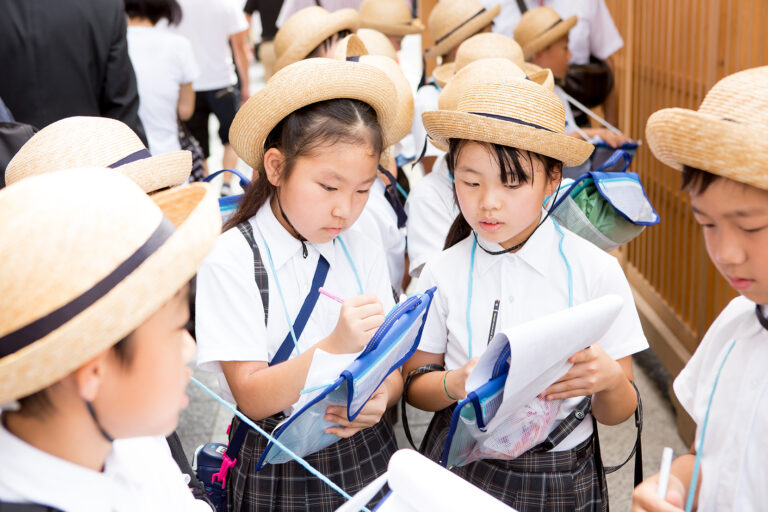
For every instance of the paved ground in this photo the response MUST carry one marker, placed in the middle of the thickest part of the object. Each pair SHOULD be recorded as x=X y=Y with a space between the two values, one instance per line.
x=204 y=420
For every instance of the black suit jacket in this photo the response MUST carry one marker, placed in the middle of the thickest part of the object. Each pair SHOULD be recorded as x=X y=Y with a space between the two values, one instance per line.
x=61 y=58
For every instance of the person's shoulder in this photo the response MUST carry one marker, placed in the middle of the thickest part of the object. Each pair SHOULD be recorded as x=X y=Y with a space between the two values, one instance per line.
x=446 y=262
x=230 y=248
x=730 y=319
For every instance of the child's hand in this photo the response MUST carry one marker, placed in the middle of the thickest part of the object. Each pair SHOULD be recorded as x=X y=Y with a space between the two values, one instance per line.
x=370 y=415
x=456 y=380
x=359 y=318
x=593 y=371
x=612 y=139
x=646 y=499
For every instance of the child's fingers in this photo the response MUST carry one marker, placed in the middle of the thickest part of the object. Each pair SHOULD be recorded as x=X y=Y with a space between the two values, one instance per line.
x=342 y=432
x=362 y=300
x=371 y=323
x=583 y=356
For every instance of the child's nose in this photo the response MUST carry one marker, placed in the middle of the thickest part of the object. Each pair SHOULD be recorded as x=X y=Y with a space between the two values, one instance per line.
x=728 y=249
x=188 y=348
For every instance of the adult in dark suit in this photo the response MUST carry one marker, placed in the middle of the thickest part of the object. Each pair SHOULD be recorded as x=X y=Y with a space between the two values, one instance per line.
x=62 y=58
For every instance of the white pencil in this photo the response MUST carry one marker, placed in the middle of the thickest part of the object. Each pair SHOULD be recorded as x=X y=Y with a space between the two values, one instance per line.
x=666 y=465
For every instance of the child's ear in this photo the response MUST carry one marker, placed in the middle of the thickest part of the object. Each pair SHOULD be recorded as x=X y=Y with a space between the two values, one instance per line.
x=90 y=376
x=554 y=181
x=273 y=165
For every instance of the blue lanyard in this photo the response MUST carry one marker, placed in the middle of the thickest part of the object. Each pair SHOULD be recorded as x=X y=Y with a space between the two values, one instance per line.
x=470 y=282
x=280 y=289
x=700 y=448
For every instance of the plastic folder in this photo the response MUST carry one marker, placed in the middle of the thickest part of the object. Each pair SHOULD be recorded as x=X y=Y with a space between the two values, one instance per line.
x=392 y=344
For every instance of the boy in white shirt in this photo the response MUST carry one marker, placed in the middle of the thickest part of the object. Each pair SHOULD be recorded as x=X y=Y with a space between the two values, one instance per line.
x=721 y=151
x=93 y=345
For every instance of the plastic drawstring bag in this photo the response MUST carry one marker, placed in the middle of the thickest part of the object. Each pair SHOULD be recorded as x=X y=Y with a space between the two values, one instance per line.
x=607 y=208
x=394 y=342
x=603 y=152
x=228 y=204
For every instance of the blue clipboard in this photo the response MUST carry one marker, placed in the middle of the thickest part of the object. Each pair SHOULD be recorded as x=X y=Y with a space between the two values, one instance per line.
x=479 y=406
x=393 y=343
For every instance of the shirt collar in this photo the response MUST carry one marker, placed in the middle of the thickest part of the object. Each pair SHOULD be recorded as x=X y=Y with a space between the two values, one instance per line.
x=282 y=245
x=536 y=253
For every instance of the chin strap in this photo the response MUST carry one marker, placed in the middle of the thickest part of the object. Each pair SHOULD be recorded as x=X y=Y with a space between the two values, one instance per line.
x=92 y=412
x=304 y=251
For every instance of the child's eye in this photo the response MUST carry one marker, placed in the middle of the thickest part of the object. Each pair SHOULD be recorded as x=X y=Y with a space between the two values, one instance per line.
x=470 y=184
x=329 y=189
x=753 y=230
x=512 y=186
x=364 y=191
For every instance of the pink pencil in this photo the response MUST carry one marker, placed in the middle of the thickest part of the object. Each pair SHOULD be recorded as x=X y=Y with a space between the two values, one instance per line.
x=330 y=295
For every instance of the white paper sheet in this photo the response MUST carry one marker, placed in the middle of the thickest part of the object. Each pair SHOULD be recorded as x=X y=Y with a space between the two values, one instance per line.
x=540 y=350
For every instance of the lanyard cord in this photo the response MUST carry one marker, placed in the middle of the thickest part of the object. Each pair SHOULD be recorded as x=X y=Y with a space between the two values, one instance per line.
x=470 y=280
x=700 y=448
x=280 y=289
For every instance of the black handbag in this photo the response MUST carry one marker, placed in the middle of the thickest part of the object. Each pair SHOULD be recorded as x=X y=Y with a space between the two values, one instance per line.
x=589 y=83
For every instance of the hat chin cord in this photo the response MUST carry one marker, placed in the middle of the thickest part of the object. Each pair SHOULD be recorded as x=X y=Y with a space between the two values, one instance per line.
x=304 y=251
x=95 y=418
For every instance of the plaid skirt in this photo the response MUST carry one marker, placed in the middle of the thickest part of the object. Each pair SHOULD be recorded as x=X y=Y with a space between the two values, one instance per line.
x=567 y=481
x=350 y=463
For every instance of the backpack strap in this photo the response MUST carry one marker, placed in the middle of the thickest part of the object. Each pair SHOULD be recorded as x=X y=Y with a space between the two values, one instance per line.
x=418 y=371
x=26 y=507
x=637 y=449
x=259 y=272
x=521 y=5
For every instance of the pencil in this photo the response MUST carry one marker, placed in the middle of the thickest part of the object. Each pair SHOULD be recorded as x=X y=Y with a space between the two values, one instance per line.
x=666 y=464
x=494 y=316
x=330 y=295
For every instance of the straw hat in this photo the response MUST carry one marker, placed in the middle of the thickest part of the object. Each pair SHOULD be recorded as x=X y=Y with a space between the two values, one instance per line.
x=377 y=43
x=306 y=29
x=98 y=142
x=511 y=112
x=392 y=17
x=480 y=46
x=92 y=258
x=539 y=28
x=453 y=21
x=352 y=48
x=488 y=70
x=725 y=136
x=301 y=84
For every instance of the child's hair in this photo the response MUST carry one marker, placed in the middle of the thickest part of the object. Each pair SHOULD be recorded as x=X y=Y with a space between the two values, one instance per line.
x=301 y=133
x=697 y=181
x=323 y=47
x=39 y=403
x=511 y=172
x=154 y=10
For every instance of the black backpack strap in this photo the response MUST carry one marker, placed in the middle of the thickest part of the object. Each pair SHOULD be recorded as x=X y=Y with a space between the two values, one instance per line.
x=637 y=449
x=424 y=369
x=521 y=5
x=25 y=507
x=565 y=427
x=259 y=272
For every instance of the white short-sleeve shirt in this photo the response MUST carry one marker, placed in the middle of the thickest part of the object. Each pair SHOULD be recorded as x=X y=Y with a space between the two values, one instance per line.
x=530 y=283
x=163 y=61
x=595 y=33
x=229 y=313
x=733 y=458
x=431 y=210
x=208 y=24
x=425 y=99
x=139 y=474
x=379 y=222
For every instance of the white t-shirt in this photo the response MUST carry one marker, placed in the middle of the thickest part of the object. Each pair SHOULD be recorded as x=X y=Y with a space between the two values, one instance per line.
x=379 y=222
x=431 y=210
x=139 y=474
x=290 y=7
x=733 y=462
x=530 y=283
x=594 y=33
x=162 y=62
x=208 y=24
x=425 y=99
x=229 y=314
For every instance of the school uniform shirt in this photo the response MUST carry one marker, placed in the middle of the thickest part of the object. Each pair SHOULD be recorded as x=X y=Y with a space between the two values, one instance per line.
x=229 y=313
x=163 y=61
x=733 y=458
x=431 y=209
x=530 y=283
x=139 y=474
x=379 y=223
x=595 y=33
x=425 y=99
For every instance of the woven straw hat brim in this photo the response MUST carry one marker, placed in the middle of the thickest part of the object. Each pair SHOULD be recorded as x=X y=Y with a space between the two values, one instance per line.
x=737 y=151
x=192 y=209
x=443 y=74
x=394 y=29
x=377 y=43
x=301 y=84
x=465 y=31
x=443 y=125
x=302 y=43
x=549 y=36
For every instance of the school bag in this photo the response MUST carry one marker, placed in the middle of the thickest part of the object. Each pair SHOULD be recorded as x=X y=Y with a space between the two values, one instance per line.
x=607 y=207
x=228 y=204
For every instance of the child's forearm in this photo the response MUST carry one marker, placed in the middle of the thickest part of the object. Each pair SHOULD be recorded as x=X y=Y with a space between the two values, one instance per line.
x=682 y=468
x=394 y=386
x=426 y=392
x=614 y=405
